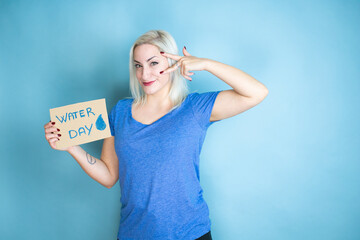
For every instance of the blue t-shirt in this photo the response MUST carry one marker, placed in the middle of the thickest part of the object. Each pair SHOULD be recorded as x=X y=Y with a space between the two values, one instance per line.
x=159 y=178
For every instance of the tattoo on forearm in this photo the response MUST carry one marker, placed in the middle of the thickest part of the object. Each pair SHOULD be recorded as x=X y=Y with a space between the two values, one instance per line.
x=90 y=159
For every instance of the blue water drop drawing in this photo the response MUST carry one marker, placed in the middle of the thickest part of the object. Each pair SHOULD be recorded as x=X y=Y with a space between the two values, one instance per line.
x=100 y=124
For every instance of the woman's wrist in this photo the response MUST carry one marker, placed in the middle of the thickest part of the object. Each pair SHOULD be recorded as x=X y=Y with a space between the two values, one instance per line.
x=208 y=64
x=71 y=149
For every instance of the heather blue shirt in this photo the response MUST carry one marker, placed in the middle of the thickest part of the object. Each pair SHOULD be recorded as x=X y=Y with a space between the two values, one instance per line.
x=159 y=178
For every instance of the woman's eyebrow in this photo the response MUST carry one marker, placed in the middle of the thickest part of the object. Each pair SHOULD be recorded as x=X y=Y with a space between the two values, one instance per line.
x=146 y=60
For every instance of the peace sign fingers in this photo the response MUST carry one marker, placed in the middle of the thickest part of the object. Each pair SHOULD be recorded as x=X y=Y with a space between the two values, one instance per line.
x=182 y=62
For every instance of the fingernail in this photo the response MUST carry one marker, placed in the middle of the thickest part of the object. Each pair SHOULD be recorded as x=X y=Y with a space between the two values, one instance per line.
x=161 y=52
x=58 y=130
x=53 y=123
x=184 y=47
x=59 y=135
x=161 y=72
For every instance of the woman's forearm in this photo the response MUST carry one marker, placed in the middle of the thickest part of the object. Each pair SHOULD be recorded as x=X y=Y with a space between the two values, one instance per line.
x=94 y=167
x=241 y=82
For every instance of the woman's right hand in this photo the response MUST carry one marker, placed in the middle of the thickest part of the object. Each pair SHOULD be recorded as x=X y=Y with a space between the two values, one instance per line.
x=52 y=136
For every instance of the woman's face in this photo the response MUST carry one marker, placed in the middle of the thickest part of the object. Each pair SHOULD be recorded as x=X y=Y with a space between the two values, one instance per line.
x=148 y=64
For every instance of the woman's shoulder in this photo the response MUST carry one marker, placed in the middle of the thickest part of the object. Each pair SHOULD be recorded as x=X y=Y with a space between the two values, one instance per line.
x=121 y=104
x=124 y=101
x=193 y=95
x=204 y=96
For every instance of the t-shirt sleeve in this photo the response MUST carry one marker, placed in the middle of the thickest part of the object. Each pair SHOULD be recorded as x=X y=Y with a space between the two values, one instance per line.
x=202 y=104
x=112 y=121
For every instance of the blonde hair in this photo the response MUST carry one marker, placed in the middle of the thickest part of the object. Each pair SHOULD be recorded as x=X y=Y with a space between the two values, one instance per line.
x=166 y=43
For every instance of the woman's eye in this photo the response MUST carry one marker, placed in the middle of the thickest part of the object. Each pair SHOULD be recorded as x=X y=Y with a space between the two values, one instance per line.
x=153 y=63
x=137 y=65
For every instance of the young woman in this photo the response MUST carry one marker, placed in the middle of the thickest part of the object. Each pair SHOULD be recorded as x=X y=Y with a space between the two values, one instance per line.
x=157 y=136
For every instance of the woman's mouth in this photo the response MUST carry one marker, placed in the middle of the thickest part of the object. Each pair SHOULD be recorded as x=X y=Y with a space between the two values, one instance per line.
x=148 y=83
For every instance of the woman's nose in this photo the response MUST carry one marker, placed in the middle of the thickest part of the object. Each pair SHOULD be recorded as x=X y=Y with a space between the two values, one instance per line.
x=146 y=74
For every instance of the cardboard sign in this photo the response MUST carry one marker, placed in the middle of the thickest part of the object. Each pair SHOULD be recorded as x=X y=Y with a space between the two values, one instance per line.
x=81 y=123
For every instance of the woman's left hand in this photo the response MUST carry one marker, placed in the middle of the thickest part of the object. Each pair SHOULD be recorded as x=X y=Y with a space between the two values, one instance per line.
x=186 y=63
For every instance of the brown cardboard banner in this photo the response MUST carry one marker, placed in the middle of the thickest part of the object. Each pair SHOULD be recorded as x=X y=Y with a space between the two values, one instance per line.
x=81 y=123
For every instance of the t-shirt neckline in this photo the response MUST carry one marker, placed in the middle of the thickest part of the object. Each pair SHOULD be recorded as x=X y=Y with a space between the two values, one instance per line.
x=156 y=121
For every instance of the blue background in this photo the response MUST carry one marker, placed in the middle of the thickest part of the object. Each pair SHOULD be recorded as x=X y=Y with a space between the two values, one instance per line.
x=286 y=169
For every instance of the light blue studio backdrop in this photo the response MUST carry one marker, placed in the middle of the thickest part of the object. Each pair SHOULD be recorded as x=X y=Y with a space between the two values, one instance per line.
x=286 y=169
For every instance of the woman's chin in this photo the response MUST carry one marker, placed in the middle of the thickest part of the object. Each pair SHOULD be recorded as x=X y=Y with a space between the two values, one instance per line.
x=149 y=91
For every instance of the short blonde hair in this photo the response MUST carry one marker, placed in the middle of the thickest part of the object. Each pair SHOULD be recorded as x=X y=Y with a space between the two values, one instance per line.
x=166 y=43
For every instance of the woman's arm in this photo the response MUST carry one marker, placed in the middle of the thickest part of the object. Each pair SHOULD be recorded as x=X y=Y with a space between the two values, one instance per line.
x=104 y=171
x=243 y=84
x=246 y=93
